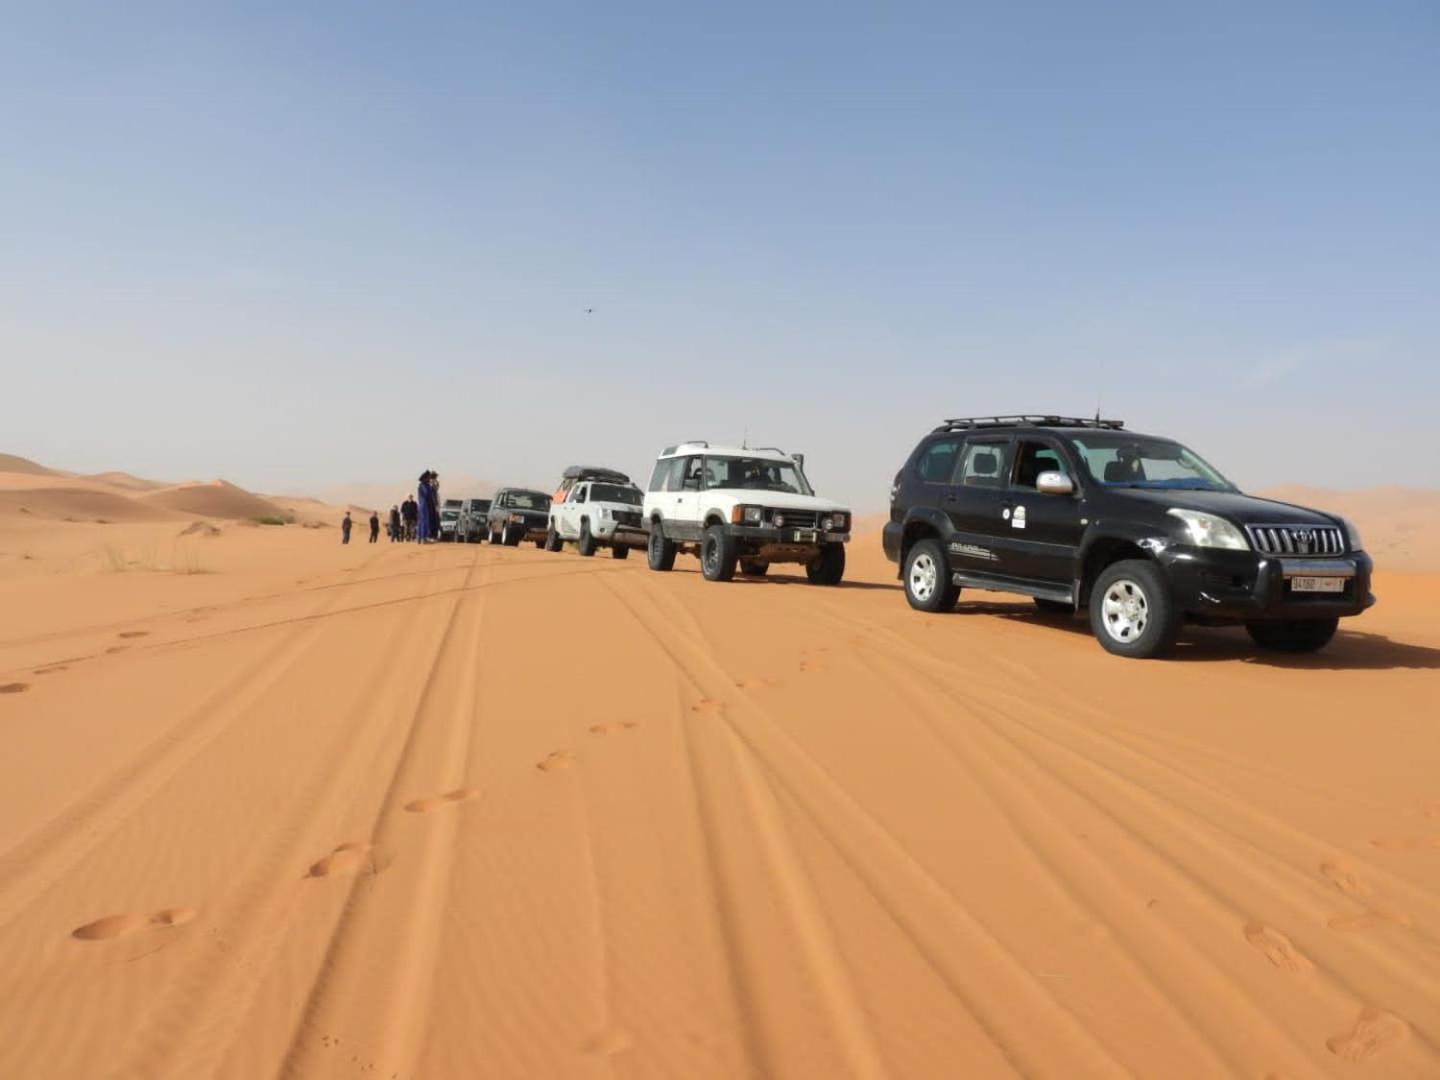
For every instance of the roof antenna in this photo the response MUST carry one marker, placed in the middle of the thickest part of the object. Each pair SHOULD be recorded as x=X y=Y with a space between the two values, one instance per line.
x=745 y=439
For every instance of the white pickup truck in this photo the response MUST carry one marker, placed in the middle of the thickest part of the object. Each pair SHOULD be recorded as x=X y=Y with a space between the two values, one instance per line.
x=596 y=508
x=742 y=507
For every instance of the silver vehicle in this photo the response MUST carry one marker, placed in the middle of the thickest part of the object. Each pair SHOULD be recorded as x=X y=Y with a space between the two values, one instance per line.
x=470 y=526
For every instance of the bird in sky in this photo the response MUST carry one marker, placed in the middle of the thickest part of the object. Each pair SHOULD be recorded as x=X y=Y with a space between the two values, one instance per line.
x=589 y=311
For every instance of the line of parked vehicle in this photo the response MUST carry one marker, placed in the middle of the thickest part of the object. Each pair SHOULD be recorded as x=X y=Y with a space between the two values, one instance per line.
x=1081 y=515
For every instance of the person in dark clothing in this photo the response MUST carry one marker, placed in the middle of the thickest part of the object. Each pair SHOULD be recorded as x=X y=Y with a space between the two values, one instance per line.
x=374 y=526
x=394 y=524
x=409 y=512
x=425 y=495
x=345 y=528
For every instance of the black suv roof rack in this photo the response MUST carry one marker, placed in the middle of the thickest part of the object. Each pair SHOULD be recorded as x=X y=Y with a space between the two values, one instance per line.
x=1029 y=420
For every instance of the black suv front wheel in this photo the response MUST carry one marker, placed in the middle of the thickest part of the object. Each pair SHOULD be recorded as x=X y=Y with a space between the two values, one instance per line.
x=1131 y=611
x=1293 y=635
x=927 y=578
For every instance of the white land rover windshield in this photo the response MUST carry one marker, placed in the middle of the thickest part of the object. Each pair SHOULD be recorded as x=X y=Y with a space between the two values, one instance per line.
x=755 y=474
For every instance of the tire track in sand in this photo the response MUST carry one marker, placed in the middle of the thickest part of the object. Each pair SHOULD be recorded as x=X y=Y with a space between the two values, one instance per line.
x=395 y=1022
x=863 y=843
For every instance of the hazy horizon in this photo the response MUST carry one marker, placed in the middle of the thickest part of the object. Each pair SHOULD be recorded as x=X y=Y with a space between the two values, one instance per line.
x=302 y=250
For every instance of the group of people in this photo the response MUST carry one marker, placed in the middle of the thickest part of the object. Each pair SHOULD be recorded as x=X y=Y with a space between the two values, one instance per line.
x=347 y=524
x=417 y=518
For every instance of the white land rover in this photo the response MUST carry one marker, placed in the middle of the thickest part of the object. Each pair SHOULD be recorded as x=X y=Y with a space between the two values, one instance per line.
x=742 y=507
x=596 y=508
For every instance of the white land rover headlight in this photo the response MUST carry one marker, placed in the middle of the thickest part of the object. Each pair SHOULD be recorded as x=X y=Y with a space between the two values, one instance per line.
x=834 y=522
x=747 y=515
x=1209 y=531
x=779 y=520
x=1352 y=534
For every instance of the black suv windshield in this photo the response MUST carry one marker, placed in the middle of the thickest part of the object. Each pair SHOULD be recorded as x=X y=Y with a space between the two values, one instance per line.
x=755 y=474
x=526 y=500
x=1119 y=460
x=615 y=493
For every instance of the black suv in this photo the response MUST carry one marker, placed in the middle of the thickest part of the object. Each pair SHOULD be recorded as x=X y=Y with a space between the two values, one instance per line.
x=517 y=514
x=1139 y=530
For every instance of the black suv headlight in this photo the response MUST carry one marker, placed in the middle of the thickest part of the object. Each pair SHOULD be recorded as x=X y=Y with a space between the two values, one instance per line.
x=1210 y=531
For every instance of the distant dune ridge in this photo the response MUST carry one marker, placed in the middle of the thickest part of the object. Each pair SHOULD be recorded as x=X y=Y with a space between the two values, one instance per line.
x=31 y=490
x=12 y=463
x=217 y=499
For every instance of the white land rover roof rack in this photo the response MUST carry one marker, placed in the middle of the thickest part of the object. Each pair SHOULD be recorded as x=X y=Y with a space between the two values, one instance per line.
x=699 y=446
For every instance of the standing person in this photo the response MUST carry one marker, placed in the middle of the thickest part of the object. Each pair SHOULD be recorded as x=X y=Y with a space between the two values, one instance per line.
x=345 y=528
x=434 y=505
x=407 y=514
x=424 y=495
x=394 y=524
x=374 y=526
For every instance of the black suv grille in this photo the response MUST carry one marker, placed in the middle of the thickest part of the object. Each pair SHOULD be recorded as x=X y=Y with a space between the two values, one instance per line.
x=796 y=519
x=1296 y=539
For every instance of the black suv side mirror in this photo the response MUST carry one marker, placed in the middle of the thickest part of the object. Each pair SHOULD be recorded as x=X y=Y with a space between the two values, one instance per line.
x=1052 y=482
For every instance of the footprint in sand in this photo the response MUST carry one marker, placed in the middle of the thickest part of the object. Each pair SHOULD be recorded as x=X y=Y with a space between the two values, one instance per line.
x=1370 y=920
x=756 y=684
x=14 y=687
x=1343 y=878
x=608 y=1042
x=1406 y=843
x=114 y=926
x=51 y=669
x=133 y=633
x=342 y=860
x=435 y=802
x=1374 y=1030
x=556 y=760
x=116 y=648
x=1276 y=947
x=613 y=727
x=708 y=705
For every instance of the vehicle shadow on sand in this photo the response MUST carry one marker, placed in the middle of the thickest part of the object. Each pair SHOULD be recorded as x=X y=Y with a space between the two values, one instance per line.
x=1352 y=650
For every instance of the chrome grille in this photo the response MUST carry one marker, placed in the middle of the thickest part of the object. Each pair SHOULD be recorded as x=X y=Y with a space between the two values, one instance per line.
x=1296 y=539
x=796 y=519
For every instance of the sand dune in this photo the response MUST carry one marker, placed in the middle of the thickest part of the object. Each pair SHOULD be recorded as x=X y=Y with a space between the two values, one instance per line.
x=77 y=503
x=459 y=811
x=12 y=463
x=216 y=499
x=125 y=481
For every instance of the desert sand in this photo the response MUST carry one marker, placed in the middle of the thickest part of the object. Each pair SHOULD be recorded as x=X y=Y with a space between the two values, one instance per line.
x=274 y=807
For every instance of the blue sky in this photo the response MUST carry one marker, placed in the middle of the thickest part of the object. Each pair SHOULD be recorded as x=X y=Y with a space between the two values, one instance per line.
x=301 y=245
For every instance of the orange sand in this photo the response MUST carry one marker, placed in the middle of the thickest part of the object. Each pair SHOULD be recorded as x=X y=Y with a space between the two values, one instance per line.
x=271 y=806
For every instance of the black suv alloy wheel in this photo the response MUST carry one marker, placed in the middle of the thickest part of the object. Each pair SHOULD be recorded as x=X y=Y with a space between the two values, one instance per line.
x=927 y=578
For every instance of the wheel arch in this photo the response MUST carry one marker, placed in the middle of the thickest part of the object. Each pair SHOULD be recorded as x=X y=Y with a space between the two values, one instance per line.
x=1106 y=551
x=920 y=527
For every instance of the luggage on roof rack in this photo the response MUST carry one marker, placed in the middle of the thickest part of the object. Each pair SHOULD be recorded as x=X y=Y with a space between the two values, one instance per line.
x=596 y=472
x=1030 y=420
